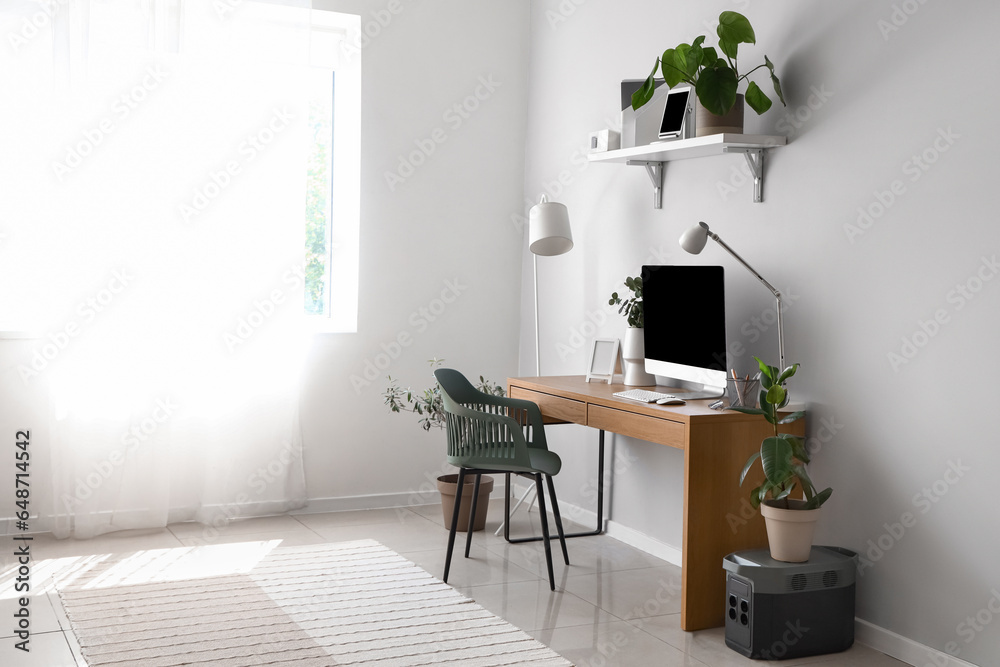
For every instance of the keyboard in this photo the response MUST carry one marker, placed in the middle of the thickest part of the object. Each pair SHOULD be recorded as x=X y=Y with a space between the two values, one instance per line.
x=642 y=395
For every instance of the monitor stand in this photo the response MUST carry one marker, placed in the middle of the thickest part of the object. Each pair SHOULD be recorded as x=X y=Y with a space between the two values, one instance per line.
x=690 y=391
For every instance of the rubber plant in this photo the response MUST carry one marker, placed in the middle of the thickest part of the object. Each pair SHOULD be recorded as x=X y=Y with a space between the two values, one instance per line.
x=783 y=456
x=631 y=308
x=716 y=79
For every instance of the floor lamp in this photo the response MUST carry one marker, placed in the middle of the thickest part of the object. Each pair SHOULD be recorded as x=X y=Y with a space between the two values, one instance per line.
x=549 y=234
x=694 y=240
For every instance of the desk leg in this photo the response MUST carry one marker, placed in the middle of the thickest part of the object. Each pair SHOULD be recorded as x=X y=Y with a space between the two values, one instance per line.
x=600 y=504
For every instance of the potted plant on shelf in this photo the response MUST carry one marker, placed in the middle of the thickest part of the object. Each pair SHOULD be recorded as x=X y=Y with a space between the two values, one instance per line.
x=790 y=523
x=429 y=405
x=633 y=347
x=715 y=79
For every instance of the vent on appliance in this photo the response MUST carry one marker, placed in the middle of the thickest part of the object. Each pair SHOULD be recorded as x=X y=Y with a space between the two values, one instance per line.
x=811 y=581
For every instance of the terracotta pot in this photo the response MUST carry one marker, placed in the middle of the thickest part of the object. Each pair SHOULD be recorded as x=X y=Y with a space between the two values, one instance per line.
x=707 y=123
x=448 y=486
x=633 y=353
x=789 y=531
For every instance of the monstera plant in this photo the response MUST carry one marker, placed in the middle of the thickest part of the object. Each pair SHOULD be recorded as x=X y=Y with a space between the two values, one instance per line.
x=716 y=78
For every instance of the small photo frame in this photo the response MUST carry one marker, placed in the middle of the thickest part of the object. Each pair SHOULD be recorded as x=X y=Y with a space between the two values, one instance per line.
x=604 y=353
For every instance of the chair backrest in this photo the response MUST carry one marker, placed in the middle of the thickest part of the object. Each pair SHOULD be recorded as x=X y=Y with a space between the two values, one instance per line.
x=483 y=430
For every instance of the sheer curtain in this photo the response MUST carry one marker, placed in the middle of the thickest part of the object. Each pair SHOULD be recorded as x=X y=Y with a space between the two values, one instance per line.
x=153 y=228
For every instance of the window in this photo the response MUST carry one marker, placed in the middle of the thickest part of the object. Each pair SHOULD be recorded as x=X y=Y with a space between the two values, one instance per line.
x=332 y=212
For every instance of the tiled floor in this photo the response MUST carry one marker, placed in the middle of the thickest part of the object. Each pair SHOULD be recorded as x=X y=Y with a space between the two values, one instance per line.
x=615 y=605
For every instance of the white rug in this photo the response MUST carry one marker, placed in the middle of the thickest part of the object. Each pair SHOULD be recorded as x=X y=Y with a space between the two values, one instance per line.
x=353 y=603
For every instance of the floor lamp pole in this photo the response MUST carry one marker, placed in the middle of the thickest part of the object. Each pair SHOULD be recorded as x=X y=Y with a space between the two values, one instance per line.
x=538 y=356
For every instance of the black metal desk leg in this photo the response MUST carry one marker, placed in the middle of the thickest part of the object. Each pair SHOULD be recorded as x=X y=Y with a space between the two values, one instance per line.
x=600 y=504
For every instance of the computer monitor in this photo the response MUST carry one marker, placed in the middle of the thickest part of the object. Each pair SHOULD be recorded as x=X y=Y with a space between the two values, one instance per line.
x=684 y=308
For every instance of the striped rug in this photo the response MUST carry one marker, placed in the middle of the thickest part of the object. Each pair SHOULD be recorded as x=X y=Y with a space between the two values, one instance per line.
x=352 y=603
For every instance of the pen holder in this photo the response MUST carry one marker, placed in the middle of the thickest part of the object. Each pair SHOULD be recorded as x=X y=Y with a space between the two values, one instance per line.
x=742 y=392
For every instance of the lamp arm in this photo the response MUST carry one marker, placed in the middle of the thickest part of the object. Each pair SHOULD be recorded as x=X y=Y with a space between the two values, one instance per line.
x=776 y=293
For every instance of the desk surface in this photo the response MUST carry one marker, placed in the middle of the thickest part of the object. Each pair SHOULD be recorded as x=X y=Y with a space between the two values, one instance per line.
x=718 y=518
x=600 y=393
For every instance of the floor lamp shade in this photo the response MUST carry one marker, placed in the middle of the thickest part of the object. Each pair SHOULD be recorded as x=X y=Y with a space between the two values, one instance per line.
x=548 y=229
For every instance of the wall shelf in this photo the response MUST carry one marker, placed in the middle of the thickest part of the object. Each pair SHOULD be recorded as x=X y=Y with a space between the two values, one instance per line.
x=653 y=156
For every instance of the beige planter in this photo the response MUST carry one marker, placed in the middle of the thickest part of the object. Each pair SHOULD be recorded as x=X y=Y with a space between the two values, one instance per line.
x=789 y=531
x=708 y=123
x=448 y=486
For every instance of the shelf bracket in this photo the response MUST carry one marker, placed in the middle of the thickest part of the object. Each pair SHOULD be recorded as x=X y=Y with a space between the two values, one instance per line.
x=655 y=171
x=755 y=160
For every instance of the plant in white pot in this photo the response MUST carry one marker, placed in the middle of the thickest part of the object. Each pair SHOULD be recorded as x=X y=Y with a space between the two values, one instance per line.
x=716 y=80
x=633 y=347
x=429 y=405
x=790 y=522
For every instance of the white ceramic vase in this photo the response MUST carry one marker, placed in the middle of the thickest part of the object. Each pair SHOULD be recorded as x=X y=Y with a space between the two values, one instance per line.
x=633 y=352
x=789 y=531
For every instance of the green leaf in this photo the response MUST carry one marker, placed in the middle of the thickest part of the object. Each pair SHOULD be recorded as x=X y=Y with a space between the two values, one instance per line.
x=756 y=98
x=787 y=373
x=668 y=68
x=755 y=497
x=795 y=416
x=799 y=450
x=716 y=89
x=820 y=498
x=785 y=492
x=764 y=369
x=645 y=92
x=776 y=459
x=735 y=29
x=694 y=56
x=807 y=483
x=776 y=394
x=774 y=80
x=747 y=466
x=709 y=56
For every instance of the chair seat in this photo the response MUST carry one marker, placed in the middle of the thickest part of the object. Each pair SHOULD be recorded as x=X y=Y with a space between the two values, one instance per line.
x=542 y=460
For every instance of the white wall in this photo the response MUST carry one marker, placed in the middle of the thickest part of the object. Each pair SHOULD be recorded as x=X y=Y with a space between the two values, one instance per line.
x=889 y=432
x=449 y=222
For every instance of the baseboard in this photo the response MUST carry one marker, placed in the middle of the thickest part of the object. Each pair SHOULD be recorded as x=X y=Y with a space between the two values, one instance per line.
x=381 y=501
x=902 y=648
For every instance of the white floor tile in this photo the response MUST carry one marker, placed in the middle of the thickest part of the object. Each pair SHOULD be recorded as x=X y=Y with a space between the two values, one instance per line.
x=193 y=529
x=631 y=594
x=45 y=650
x=530 y=605
x=41 y=615
x=481 y=568
x=616 y=644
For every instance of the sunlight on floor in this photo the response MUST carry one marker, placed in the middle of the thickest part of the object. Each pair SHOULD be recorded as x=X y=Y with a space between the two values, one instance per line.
x=143 y=567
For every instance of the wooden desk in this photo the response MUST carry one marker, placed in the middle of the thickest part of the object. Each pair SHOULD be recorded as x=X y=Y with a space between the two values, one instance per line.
x=716 y=444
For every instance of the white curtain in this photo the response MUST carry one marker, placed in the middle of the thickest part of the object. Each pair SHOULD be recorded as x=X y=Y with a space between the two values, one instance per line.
x=152 y=226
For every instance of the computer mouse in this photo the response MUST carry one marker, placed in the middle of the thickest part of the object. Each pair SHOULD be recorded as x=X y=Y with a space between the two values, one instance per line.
x=671 y=401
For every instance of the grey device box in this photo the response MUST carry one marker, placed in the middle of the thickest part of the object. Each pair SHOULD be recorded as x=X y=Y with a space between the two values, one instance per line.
x=642 y=127
x=777 y=610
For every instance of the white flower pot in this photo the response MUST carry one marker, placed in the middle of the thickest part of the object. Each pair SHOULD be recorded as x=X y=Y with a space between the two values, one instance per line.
x=789 y=531
x=633 y=352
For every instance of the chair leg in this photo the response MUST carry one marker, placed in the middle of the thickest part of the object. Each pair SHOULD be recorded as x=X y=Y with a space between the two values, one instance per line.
x=555 y=511
x=472 y=514
x=545 y=529
x=506 y=509
x=454 y=522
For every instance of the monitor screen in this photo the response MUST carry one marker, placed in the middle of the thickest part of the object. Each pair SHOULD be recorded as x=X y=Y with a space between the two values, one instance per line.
x=684 y=308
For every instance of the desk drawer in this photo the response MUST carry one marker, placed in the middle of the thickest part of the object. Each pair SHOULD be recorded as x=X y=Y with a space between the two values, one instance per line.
x=555 y=409
x=651 y=429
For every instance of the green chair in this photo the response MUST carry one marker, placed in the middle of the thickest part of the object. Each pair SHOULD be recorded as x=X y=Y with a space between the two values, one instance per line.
x=494 y=434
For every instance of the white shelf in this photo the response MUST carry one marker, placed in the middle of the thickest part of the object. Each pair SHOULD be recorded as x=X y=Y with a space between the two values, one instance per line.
x=652 y=157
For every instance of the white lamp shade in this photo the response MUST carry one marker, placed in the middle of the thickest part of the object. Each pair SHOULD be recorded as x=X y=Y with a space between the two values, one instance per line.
x=694 y=239
x=548 y=229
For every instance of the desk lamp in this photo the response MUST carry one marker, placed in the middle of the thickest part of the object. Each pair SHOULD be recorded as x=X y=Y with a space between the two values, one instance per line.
x=549 y=234
x=694 y=240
